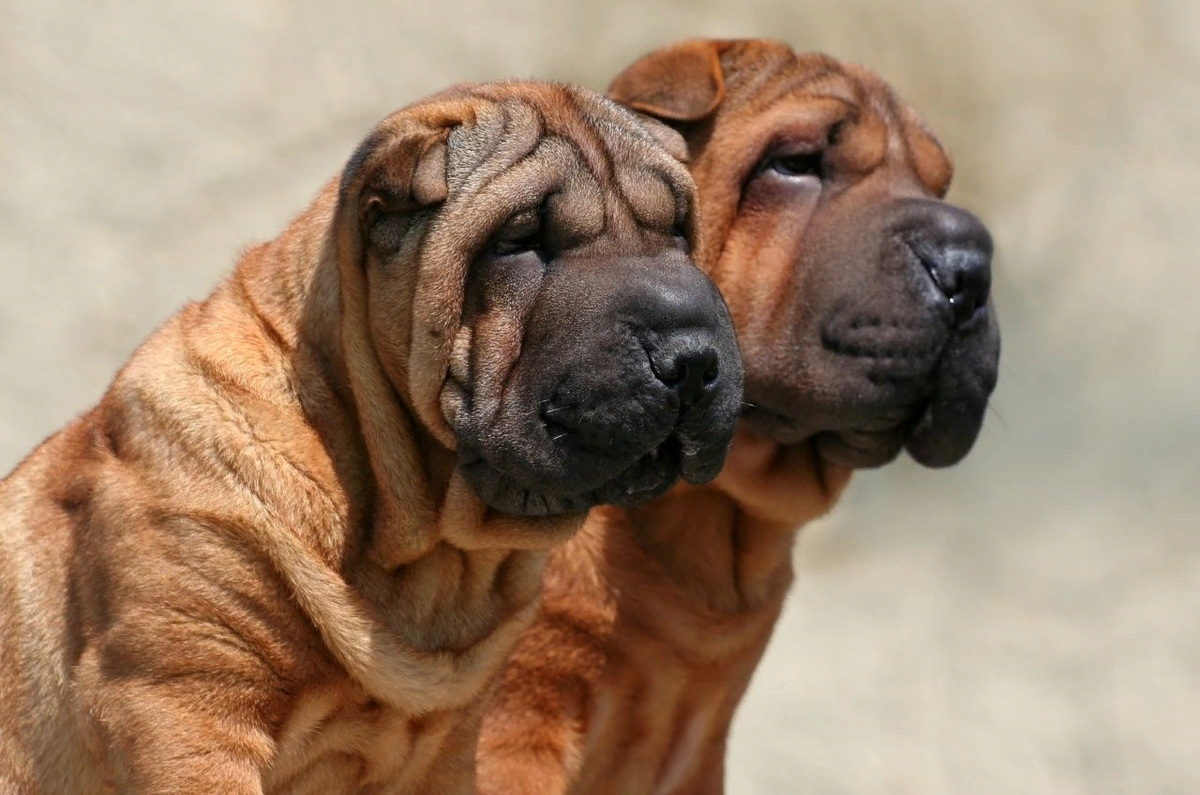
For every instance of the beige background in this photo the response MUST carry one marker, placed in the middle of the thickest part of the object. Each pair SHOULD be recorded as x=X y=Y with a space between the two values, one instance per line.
x=1025 y=623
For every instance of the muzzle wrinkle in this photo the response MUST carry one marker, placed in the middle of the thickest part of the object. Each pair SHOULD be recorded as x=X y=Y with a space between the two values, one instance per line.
x=582 y=416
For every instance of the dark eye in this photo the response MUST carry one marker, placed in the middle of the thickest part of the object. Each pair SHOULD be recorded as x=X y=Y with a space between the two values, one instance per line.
x=679 y=236
x=835 y=133
x=521 y=233
x=807 y=164
x=507 y=247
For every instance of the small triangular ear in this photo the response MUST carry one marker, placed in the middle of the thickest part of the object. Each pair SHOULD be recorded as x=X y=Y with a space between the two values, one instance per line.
x=683 y=82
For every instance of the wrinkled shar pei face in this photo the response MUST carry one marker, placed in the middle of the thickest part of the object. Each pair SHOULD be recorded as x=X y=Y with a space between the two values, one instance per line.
x=560 y=338
x=861 y=297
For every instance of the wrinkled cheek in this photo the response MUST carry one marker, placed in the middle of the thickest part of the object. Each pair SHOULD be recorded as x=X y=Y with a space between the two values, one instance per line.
x=494 y=353
x=481 y=376
x=756 y=277
x=453 y=397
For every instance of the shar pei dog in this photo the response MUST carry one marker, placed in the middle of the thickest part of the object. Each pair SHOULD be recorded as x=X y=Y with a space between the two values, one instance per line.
x=290 y=548
x=861 y=301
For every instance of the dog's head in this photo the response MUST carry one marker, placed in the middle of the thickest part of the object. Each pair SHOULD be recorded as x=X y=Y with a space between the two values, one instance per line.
x=521 y=252
x=861 y=298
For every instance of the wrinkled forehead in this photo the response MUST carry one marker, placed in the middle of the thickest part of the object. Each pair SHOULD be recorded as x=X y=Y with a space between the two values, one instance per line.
x=575 y=140
x=785 y=81
x=909 y=135
x=879 y=98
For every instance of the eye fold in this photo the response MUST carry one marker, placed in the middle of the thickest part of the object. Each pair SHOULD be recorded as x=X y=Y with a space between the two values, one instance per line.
x=507 y=247
x=805 y=164
x=522 y=233
x=835 y=133
x=680 y=237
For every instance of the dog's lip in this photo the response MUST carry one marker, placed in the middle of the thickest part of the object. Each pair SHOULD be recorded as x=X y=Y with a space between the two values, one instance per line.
x=911 y=425
x=649 y=476
x=978 y=318
x=776 y=426
x=891 y=348
x=757 y=412
x=891 y=426
x=668 y=453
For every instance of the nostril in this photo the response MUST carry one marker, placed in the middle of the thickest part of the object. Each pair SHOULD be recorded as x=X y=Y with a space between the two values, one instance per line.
x=960 y=271
x=966 y=302
x=558 y=418
x=689 y=371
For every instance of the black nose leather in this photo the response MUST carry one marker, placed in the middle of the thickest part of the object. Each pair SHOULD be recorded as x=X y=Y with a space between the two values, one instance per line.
x=684 y=328
x=687 y=362
x=956 y=249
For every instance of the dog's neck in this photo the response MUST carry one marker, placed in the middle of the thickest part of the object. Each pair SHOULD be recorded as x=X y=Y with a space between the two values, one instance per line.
x=293 y=288
x=729 y=543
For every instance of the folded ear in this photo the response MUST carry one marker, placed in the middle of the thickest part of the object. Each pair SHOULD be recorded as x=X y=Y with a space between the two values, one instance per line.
x=683 y=82
x=398 y=169
x=412 y=175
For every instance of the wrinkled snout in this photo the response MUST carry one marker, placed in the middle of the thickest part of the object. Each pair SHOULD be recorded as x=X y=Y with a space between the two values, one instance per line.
x=909 y=345
x=663 y=378
x=629 y=378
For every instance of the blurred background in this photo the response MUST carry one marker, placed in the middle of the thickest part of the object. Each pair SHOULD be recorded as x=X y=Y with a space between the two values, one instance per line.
x=1024 y=623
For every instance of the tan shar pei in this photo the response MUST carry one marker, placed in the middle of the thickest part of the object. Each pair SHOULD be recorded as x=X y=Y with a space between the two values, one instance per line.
x=292 y=545
x=861 y=301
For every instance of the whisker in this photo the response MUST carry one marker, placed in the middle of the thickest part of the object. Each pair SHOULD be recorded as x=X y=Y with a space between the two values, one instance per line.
x=1000 y=417
x=556 y=438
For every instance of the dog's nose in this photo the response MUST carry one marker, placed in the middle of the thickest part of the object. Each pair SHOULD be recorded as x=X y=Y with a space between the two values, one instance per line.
x=686 y=361
x=685 y=330
x=956 y=249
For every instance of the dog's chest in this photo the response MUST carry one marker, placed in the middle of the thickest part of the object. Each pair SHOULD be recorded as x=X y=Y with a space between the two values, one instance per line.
x=686 y=751
x=667 y=717
x=339 y=741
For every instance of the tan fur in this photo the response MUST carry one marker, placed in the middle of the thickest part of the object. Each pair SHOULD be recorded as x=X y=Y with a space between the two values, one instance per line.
x=253 y=567
x=654 y=619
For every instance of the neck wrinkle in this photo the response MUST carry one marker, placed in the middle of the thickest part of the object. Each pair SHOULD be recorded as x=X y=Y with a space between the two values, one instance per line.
x=386 y=466
x=729 y=543
x=403 y=523
x=712 y=550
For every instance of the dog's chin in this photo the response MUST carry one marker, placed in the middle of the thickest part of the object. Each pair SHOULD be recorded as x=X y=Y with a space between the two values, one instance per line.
x=854 y=448
x=649 y=476
x=937 y=431
x=944 y=433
